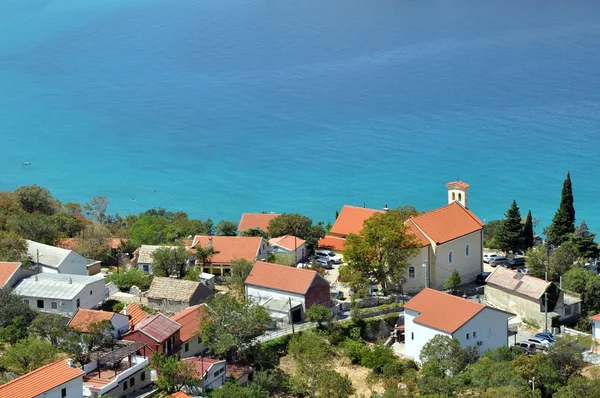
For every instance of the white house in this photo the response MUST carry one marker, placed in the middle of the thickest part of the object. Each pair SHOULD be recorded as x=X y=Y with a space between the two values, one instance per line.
x=56 y=260
x=144 y=257
x=12 y=273
x=189 y=319
x=61 y=293
x=84 y=318
x=288 y=244
x=431 y=312
x=57 y=380
x=210 y=371
x=595 y=327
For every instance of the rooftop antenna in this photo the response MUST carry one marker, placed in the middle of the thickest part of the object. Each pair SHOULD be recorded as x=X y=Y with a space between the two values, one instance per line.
x=364 y=204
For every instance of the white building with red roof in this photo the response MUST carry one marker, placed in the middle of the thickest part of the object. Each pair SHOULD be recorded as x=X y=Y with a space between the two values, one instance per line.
x=190 y=319
x=473 y=324
x=226 y=249
x=256 y=221
x=211 y=373
x=288 y=244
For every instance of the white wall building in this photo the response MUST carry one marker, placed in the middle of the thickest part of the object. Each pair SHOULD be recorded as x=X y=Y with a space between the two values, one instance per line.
x=56 y=260
x=210 y=371
x=288 y=244
x=191 y=341
x=61 y=293
x=473 y=324
x=83 y=318
x=57 y=380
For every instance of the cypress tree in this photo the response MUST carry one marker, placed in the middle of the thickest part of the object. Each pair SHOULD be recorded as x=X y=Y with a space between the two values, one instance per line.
x=528 y=232
x=510 y=233
x=563 y=222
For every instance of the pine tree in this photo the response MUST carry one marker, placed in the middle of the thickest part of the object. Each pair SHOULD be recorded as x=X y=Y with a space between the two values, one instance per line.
x=510 y=233
x=563 y=222
x=582 y=230
x=528 y=232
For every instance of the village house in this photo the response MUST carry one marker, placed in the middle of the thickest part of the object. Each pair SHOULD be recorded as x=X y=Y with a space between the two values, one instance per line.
x=159 y=333
x=595 y=329
x=226 y=249
x=144 y=259
x=134 y=313
x=449 y=238
x=255 y=220
x=288 y=244
x=173 y=295
x=190 y=319
x=526 y=295
x=83 y=318
x=432 y=312
x=286 y=292
x=179 y=394
x=117 y=372
x=61 y=293
x=12 y=273
x=60 y=379
x=210 y=372
x=56 y=260
x=242 y=374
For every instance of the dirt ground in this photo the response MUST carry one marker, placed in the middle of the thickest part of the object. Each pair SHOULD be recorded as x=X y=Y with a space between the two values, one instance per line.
x=357 y=374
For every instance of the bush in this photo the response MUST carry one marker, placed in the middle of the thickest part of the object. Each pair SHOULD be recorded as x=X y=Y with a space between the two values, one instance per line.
x=377 y=358
x=112 y=305
x=354 y=350
x=131 y=277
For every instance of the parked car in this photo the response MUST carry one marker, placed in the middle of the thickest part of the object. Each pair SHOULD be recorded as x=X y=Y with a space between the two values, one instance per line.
x=546 y=336
x=498 y=261
x=540 y=344
x=329 y=255
x=480 y=279
x=488 y=256
x=528 y=347
x=523 y=270
x=323 y=262
x=514 y=263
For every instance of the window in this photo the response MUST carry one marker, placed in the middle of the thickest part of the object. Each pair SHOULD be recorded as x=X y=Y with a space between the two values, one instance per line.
x=143 y=375
x=63 y=392
x=474 y=335
x=187 y=347
x=468 y=336
x=460 y=197
x=54 y=305
x=453 y=196
x=412 y=335
x=467 y=250
x=26 y=301
x=132 y=381
x=199 y=340
x=90 y=292
x=125 y=385
x=78 y=303
x=411 y=272
x=451 y=257
x=40 y=303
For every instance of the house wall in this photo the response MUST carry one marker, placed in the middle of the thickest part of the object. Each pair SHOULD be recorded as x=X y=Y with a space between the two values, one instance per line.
x=152 y=346
x=194 y=347
x=524 y=308
x=417 y=283
x=215 y=378
x=73 y=264
x=168 y=306
x=18 y=276
x=596 y=329
x=467 y=266
x=300 y=251
x=145 y=267
x=263 y=253
x=416 y=336
x=319 y=292
x=263 y=292
x=94 y=269
x=120 y=323
x=69 y=307
x=120 y=391
x=73 y=387
x=491 y=328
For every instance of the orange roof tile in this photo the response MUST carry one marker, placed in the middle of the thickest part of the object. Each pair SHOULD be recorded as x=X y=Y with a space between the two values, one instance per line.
x=84 y=318
x=281 y=277
x=442 y=311
x=228 y=248
x=202 y=366
x=67 y=243
x=40 y=380
x=135 y=313
x=334 y=243
x=595 y=317
x=422 y=239
x=237 y=371
x=255 y=220
x=179 y=394
x=459 y=183
x=6 y=271
x=114 y=243
x=351 y=219
x=287 y=241
x=190 y=319
x=447 y=223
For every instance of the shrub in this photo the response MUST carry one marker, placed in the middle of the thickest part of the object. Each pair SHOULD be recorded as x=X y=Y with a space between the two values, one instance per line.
x=377 y=358
x=354 y=350
x=131 y=277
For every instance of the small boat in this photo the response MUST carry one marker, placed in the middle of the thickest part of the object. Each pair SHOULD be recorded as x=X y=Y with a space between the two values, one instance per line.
x=25 y=163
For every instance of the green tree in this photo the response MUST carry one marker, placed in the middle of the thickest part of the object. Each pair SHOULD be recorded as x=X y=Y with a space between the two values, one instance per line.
x=452 y=282
x=72 y=208
x=254 y=232
x=151 y=230
x=319 y=314
x=35 y=199
x=487 y=374
x=168 y=261
x=541 y=368
x=240 y=269
x=578 y=387
x=490 y=229
x=331 y=384
x=96 y=208
x=528 y=232
x=382 y=249
x=583 y=240
x=563 y=222
x=28 y=355
x=173 y=374
x=510 y=233
x=296 y=225
x=67 y=225
x=49 y=328
x=233 y=325
x=12 y=306
x=81 y=345
x=233 y=389
x=92 y=242
x=132 y=276
x=36 y=227
x=377 y=358
x=536 y=259
x=447 y=353
x=15 y=330
x=226 y=228
x=566 y=357
x=12 y=247
x=311 y=353
x=203 y=254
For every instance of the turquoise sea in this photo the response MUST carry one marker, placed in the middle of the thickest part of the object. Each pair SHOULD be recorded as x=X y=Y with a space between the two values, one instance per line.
x=219 y=107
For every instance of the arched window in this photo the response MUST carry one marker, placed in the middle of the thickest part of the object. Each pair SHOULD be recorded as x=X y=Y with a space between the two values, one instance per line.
x=411 y=272
x=451 y=257
x=460 y=197
x=453 y=196
x=467 y=250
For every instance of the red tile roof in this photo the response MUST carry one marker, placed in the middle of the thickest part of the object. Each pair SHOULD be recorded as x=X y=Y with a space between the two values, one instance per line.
x=67 y=243
x=237 y=371
x=179 y=394
x=255 y=220
x=114 y=243
x=135 y=313
x=40 y=380
x=448 y=223
x=442 y=311
x=595 y=317
x=228 y=248
x=351 y=219
x=287 y=241
x=189 y=319
x=84 y=318
x=422 y=239
x=158 y=327
x=526 y=285
x=281 y=277
x=459 y=183
x=6 y=271
x=202 y=365
x=330 y=242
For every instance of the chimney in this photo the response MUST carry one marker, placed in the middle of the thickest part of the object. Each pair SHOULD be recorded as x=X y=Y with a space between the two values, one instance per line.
x=70 y=363
x=70 y=281
x=125 y=311
x=386 y=208
x=36 y=277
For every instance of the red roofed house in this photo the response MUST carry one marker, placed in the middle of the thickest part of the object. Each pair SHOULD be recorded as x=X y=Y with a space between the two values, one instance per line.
x=12 y=273
x=288 y=244
x=56 y=380
x=255 y=220
x=135 y=314
x=432 y=312
x=349 y=221
x=159 y=333
x=286 y=292
x=210 y=371
x=229 y=248
x=595 y=327
x=189 y=319
x=83 y=318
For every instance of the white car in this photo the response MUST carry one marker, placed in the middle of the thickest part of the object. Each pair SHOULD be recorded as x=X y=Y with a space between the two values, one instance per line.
x=540 y=344
x=329 y=255
x=489 y=256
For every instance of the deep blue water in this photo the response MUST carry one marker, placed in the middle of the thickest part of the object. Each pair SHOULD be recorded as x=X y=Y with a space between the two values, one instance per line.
x=235 y=106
